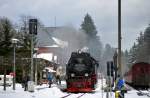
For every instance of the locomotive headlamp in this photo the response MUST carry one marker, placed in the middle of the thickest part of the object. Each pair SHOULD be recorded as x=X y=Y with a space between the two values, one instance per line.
x=86 y=74
x=79 y=51
x=72 y=74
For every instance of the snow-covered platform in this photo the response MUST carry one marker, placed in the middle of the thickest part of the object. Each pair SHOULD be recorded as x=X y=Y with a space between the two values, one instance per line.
x=54 y=92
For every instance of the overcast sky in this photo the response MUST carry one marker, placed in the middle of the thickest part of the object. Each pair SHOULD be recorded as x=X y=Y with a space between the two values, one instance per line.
x=135 y=15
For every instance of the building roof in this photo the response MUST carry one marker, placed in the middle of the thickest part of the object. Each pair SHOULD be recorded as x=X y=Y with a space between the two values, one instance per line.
x=45 y=35
x=46 y=56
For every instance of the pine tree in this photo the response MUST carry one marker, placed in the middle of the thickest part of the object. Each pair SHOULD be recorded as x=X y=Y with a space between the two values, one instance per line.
x=147 y=43
x=88 y=26
x=133 y=55
x=125 y=58
x=6 y=34
x=93 y=41
x=147 y=35
x=140 y=52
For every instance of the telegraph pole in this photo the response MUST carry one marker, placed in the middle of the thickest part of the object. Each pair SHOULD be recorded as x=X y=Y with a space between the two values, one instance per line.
x=119 y=92
x=5 y=72
x=36 y=49
x=32 y=57
x=119 y=38
x=14 y=69
x=32 y=31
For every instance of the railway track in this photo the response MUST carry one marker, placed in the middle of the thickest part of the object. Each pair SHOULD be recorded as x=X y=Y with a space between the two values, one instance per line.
x=81 y=95
x=142 y=93
x=68 y=95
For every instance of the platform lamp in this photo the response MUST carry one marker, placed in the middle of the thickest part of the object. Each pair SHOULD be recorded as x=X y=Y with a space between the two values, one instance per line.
x=14 y=42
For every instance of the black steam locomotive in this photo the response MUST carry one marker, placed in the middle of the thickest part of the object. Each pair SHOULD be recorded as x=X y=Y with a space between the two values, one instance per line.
x=81 y=72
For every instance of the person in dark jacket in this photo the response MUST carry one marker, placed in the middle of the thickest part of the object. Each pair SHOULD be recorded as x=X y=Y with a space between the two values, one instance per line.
x=25 y=81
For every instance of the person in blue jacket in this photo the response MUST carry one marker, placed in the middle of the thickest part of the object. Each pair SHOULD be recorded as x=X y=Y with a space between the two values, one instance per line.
x=120 y=86
x=49 y=78
x=120 y=83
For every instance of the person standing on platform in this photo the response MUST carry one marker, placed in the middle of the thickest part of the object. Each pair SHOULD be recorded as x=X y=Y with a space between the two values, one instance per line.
x=25 y=81
x=58 y=74
x=49 y=78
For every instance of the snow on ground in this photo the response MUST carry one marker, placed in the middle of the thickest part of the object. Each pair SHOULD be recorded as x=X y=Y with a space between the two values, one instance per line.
x=54 y=92
x=133 y=94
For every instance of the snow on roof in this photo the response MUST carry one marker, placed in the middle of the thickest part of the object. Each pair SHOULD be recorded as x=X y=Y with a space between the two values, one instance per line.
x=49 y=69
x=6 y=76
x=45 y=34
x=45 y=56
x=54 y=45
x=60 y=42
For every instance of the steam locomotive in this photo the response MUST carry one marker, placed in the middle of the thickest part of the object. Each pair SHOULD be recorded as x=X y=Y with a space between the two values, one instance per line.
x=138 y=76
x=81 y=72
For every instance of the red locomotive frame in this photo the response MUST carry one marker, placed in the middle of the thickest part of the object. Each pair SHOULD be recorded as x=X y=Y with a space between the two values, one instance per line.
x=82 y=84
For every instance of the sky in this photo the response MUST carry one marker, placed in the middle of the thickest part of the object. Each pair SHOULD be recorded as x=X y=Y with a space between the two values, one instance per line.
x=135 y=15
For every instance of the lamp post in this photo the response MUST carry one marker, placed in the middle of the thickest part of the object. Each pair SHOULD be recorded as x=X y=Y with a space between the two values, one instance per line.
x=14 y=42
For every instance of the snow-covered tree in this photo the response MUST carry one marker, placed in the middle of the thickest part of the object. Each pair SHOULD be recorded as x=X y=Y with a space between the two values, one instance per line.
x=93 y=41
x=140 y=52
x=147 y=43
x=88 y=26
